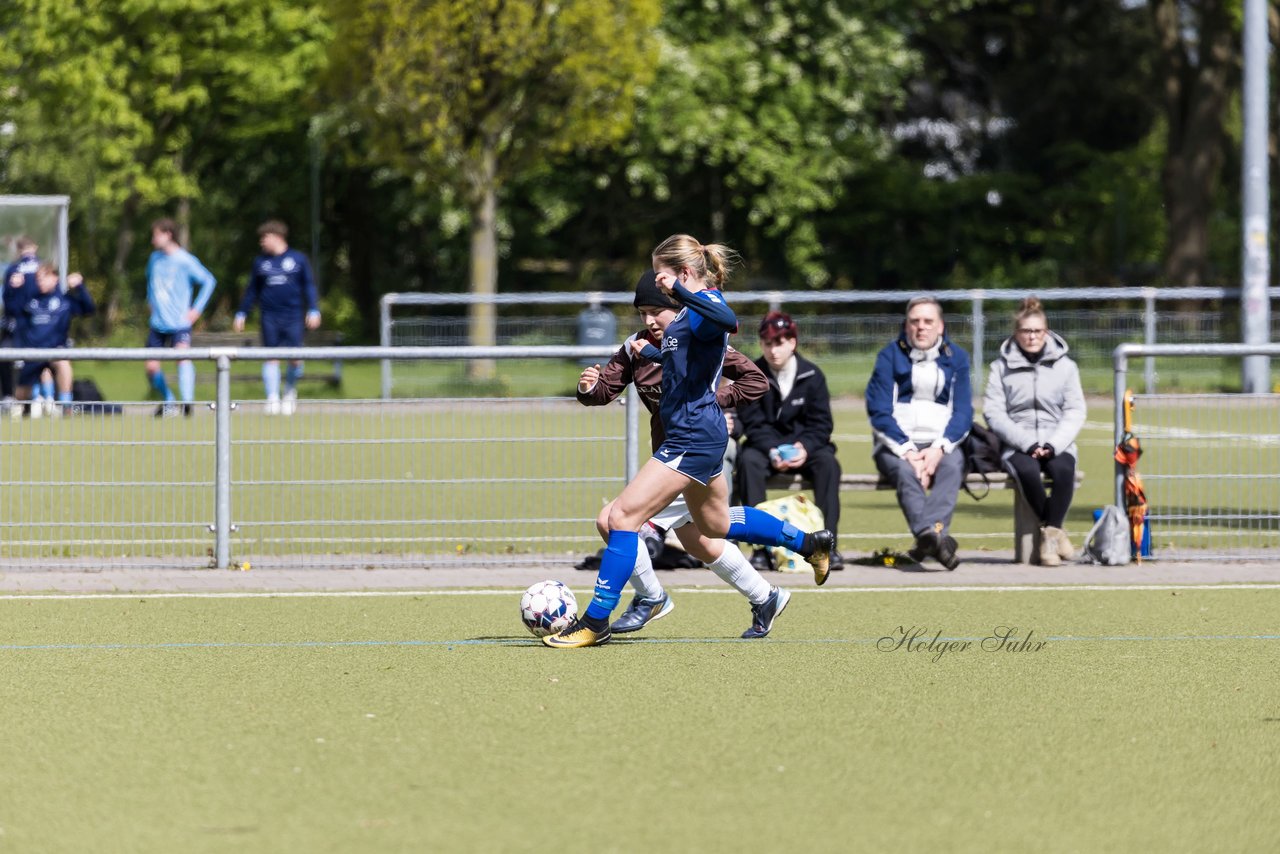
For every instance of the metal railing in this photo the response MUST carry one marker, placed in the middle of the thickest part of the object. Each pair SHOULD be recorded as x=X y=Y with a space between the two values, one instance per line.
x=1211 y=461
x=1094 y=321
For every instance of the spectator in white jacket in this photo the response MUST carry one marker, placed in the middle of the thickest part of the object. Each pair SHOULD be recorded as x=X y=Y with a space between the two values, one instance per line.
x=1034 y=403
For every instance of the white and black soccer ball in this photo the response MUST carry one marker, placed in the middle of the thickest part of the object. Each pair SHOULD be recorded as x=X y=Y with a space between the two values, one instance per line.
x=548 y=607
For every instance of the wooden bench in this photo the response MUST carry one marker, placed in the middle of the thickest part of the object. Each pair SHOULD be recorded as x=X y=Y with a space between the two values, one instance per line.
x=1026 y=525
x=317 y=338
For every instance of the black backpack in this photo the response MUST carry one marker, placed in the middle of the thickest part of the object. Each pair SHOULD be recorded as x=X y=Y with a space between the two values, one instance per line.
x=981 y=456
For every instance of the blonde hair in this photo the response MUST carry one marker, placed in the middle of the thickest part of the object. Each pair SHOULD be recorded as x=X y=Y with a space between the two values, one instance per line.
x=711 y=263
x=1029 y=307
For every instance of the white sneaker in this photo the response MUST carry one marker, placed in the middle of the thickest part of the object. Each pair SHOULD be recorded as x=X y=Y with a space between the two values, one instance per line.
x=52 y=409
x=289 y=405
x=272 y=406
x=37 y=408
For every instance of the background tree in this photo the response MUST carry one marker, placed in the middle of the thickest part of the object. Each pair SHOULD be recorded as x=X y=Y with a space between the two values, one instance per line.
x=1199 y=57
x=463 y=95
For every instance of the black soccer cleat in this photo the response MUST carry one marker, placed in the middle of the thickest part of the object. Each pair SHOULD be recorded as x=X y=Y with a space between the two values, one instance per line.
x=763 y=615
x=816 y=549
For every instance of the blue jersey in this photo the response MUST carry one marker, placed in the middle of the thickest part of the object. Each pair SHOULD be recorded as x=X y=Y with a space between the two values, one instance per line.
x=13 y=296
x=282 y=284
x=44 y=320
x=692 y=357
x=170 y=277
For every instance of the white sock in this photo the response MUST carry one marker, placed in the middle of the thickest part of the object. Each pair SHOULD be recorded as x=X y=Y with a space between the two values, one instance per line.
x=738 y=573
x=643 y=578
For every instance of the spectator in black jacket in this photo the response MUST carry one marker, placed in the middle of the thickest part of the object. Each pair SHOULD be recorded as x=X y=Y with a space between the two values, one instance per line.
x=789 y=429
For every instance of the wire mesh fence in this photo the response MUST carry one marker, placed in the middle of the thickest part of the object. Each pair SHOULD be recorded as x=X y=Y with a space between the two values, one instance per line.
x=1211 y=462
x=352 y=483
x=482 y=480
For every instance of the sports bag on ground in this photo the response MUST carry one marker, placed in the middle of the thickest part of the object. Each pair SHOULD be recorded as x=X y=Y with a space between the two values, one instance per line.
x=1108 y=540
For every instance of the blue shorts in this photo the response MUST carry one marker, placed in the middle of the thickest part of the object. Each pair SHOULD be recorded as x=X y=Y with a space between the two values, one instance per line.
x=281 y=331
x=699 y=462
x=156 y=338
x=29 y=373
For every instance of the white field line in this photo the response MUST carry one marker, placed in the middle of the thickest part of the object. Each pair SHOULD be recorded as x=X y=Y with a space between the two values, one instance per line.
x=340 y=594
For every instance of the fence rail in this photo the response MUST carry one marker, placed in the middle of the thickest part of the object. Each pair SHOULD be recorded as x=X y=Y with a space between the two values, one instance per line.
x=1094 y=320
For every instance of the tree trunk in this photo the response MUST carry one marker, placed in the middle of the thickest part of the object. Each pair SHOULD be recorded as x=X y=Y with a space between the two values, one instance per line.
x=1195 y=81
x=484 y=262
x=119 y=276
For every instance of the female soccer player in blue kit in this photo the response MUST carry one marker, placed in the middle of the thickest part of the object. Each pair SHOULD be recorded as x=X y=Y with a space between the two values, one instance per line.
x=690 y=460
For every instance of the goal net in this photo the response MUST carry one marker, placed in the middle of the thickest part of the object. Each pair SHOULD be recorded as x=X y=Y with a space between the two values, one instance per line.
x=41 y=218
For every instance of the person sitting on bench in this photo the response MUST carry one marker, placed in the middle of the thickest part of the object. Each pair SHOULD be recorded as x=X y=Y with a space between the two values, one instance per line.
x=920 y=404
x=1035 y=404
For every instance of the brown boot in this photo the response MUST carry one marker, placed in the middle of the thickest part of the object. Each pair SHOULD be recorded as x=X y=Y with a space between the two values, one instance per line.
x=1049 y=546
x=1066 y=551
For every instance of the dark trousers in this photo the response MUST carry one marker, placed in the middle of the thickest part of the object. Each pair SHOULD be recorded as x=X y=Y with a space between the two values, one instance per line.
x=6 y=368
x=822 y=468
x=1050 y=506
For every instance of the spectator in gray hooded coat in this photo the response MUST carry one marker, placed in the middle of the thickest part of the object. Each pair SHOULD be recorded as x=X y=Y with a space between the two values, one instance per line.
x=1034 y=403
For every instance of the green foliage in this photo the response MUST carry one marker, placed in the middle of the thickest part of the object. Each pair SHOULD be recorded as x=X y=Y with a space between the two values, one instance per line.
x=779 y=100
x=444 y=86
x=123 y=95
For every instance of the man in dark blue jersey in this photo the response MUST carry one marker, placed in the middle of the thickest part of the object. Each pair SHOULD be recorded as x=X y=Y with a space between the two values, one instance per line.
x=44 y=322
x=282 y=284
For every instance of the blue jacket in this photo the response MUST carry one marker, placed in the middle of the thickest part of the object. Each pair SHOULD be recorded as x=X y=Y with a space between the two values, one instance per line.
x=13 y=297
x=922 y=402
x=44 y=320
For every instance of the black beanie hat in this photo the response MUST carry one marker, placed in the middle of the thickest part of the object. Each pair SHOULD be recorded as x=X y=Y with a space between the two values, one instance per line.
x=647 y=292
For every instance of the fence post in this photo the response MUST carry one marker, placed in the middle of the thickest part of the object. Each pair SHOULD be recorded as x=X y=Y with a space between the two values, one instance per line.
x=384 y=338
x=976 y=375
x=1121 y=363
x=632 y=441
x=222 y=466
x=1149 y=322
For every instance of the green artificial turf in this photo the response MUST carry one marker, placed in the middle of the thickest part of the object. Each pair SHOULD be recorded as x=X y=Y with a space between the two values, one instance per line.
x=1148 y=721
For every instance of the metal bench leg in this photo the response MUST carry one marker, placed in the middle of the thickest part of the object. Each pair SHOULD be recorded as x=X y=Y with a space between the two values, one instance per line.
x=1026 y=531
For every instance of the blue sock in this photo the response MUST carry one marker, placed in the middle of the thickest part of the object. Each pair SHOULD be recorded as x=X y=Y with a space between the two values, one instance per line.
x=749 y=525
x=187 y=381
x=64 y=397
x=615 y=568
x=159 y=384
x=291 y=376
x=46 y=389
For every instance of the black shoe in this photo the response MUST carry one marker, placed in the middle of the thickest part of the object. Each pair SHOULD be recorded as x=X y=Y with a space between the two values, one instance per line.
x=837 y=561
x=816 y=549
x=763 y=615
x=946 y=552
x=926 y=546
x=762 y=561
x=186 y=410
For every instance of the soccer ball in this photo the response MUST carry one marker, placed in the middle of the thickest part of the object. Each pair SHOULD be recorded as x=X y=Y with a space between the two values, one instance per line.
x=548 y=607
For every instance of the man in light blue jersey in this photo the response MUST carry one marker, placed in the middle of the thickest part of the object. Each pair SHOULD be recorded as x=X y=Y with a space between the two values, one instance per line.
x=171 y=273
